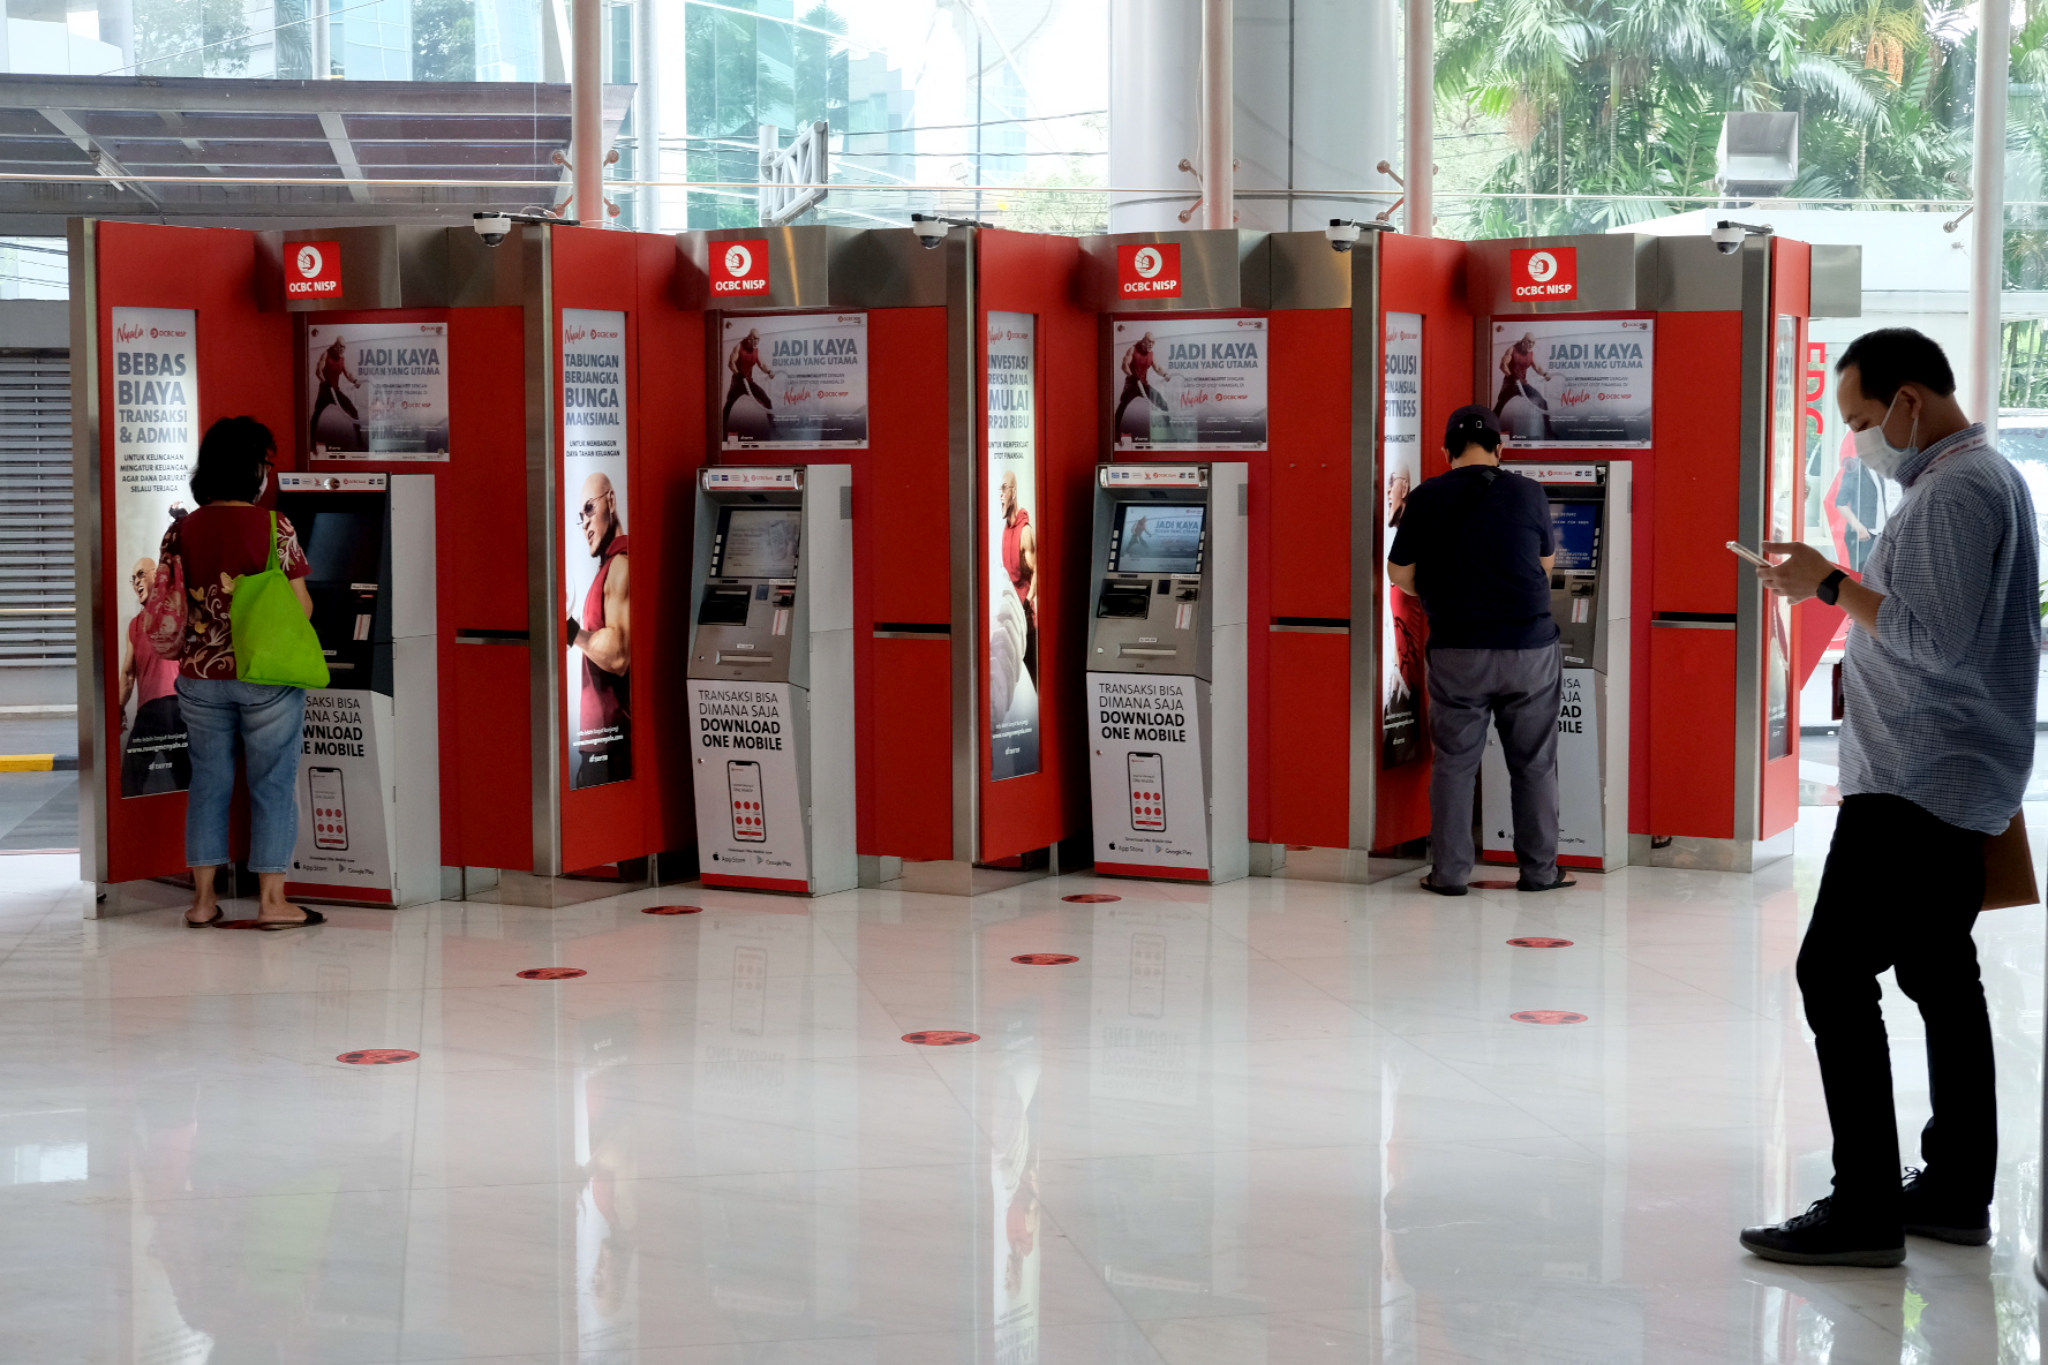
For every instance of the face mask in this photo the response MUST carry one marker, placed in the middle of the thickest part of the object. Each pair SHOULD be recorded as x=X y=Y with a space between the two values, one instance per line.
x=1878 y=454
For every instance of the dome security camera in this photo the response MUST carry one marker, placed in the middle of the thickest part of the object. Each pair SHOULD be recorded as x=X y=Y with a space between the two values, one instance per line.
x=494 y=228
x=1726 y=237
x=930 y=229
x=1343 y=234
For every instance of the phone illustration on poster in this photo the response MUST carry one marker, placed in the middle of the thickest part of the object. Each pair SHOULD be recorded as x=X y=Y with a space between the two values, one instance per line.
x=1147 y=772
x=329 y=804
x=794 y=381
x=743 y=783
x=597 y=563
x=156 y=444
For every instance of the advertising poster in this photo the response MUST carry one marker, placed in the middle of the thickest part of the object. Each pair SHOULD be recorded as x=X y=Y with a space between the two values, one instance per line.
x=1189 y=383
x=1151 y=807
x=1577 y=382
x=344 y=848
x=1401 y=616
x=156 y=443
x=1580 y=833
x=379 y=391
x=1786 y=427
x=795 y=381
x=594 y=577
x=743 y=750
x=1013 y=623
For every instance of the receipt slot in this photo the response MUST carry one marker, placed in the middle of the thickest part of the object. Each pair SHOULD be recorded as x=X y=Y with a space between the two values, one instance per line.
x=771 y=678
x=1590 y=511
x=1168 y=755
x=369 y=787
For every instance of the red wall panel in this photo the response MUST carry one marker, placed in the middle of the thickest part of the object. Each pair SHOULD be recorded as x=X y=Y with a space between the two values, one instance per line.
x=245 y=367
x=1027 y=273
x=1691 y=733
x=1425 y=275
x=1309 y=691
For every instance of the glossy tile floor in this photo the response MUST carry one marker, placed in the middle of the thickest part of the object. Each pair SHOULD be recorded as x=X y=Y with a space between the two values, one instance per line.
x=1275 y=1122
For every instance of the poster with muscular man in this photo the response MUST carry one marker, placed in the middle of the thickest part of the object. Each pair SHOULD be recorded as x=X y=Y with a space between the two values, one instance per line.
x=599 y=633
x=1013 y=619
x=377 y=391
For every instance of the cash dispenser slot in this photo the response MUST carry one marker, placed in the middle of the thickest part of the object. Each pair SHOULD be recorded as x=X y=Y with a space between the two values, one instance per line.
x=1123 y=598
x=725 y=604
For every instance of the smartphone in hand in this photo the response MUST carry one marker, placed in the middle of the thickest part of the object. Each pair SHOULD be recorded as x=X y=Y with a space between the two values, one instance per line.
x=1751 y=555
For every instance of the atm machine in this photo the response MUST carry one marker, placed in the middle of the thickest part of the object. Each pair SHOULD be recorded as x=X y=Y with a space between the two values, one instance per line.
x=771 y=687
x=369 y=788
x=1168 y=760
x=1590 y=510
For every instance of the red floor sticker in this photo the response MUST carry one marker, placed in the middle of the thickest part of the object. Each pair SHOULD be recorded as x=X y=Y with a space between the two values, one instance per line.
x=1092 y=898
x=1548 y=1017
x=1539 y=943
x=1301 y=848
x=377 y=1056
x=941 y=1037
x=673 y=910
x=551 y=973
x=1044 y=959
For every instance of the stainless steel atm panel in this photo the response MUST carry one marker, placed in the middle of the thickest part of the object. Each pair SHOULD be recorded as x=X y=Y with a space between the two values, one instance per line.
x=1591 y=515
x=770 y=691
x=1168 y=757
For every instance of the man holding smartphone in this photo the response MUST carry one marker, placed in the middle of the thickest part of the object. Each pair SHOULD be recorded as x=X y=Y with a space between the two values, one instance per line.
x=1476 y=545
x=1937 y=745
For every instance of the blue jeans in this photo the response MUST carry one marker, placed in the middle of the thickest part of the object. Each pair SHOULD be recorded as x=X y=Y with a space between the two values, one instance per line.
x=268 y=723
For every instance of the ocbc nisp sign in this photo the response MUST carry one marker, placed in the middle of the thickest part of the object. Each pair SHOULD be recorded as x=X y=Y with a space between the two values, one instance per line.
x=1148 y=271
x=739 y=267
x=1537 y=273
x=312 y=270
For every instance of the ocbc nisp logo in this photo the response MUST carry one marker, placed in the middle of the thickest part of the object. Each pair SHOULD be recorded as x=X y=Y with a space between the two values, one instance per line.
x=740 y=267
x=1544 y=273
x=1150 y=271
x=314 y=271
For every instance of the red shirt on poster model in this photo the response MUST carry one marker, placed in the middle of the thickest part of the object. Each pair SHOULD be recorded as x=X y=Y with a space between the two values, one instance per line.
x=604 y=693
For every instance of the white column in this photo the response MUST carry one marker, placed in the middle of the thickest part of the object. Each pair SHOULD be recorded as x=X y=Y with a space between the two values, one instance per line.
x=1418 y=158
x=1219 y=116
x=1316 y=86
x=1987 y=220
x=586 y=111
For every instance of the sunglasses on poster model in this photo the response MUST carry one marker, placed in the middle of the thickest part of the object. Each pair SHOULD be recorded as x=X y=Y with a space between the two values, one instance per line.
x=590 y=509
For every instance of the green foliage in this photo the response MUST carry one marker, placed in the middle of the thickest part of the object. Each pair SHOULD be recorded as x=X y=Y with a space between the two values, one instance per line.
x=1600 y=98
x=444 y=40
x=191 y=38
x=742 y=73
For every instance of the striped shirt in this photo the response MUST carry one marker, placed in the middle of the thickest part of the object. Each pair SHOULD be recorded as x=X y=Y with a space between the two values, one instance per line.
x=1939 y=703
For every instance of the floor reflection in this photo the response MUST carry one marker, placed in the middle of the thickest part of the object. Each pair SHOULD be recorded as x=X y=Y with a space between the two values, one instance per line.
x=1272 y=1122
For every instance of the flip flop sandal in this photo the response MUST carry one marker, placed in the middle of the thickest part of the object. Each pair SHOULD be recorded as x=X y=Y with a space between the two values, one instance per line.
x=1563 y=881
x=312 y=918
x=191 y=923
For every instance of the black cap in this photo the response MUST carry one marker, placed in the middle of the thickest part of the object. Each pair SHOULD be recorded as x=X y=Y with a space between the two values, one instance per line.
x=1470 y=425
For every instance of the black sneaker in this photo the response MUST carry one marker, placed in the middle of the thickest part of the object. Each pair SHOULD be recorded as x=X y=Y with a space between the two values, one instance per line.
x=1928 y=1214
x=1818 y=1237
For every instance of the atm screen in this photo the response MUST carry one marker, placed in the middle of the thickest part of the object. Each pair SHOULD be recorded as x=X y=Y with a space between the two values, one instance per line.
x=1159 y=537
x=760 y=542
x=1578 y=533
x=343 y=544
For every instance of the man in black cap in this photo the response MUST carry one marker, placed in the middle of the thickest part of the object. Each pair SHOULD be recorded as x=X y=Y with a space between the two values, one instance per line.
x=1476 y=545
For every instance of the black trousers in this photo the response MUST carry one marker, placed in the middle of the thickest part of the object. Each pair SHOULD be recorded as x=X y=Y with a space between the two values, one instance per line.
x=1901 y=890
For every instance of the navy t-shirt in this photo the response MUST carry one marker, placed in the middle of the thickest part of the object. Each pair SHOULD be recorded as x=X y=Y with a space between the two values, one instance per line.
x=1477 y=537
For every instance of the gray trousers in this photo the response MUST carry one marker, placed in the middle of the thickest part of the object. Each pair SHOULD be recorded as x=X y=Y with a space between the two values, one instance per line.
x=1519 y=690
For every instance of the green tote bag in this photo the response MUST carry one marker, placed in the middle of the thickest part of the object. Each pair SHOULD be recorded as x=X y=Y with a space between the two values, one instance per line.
x=274 y=642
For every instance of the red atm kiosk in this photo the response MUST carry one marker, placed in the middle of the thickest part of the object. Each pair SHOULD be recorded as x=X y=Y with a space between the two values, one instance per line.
x=552 y=417
x=1339 y=767
x=1684 y=362
x=946 y=369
